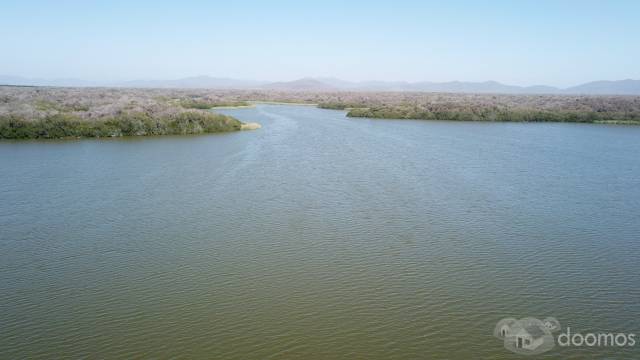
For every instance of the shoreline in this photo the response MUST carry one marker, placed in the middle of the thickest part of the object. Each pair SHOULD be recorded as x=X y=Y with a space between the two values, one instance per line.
x=282 y=103
x=232 y=107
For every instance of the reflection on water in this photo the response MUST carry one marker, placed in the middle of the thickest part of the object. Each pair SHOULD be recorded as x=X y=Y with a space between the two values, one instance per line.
x=318 y=236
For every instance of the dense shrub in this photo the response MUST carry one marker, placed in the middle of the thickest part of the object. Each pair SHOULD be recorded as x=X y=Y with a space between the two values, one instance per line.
x=48 y=112
x=133 y=124
x=515 y=114
x=335 y=105
x=203 y=104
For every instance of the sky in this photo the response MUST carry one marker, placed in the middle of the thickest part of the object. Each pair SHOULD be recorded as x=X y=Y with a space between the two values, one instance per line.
x=552 y=42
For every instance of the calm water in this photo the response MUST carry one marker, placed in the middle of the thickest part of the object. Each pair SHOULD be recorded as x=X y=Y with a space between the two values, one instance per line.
x=319 y=236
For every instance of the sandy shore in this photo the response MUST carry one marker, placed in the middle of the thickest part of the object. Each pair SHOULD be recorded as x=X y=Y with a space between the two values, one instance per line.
x=250 y=126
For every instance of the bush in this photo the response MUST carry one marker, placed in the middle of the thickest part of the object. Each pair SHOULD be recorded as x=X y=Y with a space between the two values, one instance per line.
x=513 y=115
x=196 y=123
x=204 y=105
x=127 y=124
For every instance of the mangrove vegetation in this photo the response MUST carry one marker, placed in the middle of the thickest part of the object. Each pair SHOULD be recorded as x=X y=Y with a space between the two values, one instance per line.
x=204 y=105
x=130 y=124
x=496 y=114
x=48 y=112
x=490 y=107
x=52 y=113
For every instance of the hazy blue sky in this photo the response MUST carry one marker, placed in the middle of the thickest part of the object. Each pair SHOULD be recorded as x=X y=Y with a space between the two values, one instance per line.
x=519 y=42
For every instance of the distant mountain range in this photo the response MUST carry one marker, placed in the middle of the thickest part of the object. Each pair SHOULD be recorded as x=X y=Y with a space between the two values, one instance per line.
x=619 y=87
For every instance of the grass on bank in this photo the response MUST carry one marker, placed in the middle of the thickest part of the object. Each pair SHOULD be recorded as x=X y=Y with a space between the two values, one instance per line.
x=129 y=124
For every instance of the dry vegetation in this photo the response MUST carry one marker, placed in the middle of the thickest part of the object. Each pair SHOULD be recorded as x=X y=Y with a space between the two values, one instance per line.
x=41 y=112
x=489 y=107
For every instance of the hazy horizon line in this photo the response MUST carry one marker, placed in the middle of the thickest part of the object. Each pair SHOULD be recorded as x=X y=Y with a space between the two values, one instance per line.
x=317 y=78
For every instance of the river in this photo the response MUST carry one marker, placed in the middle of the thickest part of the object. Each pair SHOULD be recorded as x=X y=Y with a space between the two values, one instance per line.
x=319 y=236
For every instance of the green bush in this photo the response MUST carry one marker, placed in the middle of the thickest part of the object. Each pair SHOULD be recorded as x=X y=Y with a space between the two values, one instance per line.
x=196 y=123
x=126 y=124
x=513 y=115
x=204 y=105
x=339 y=105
